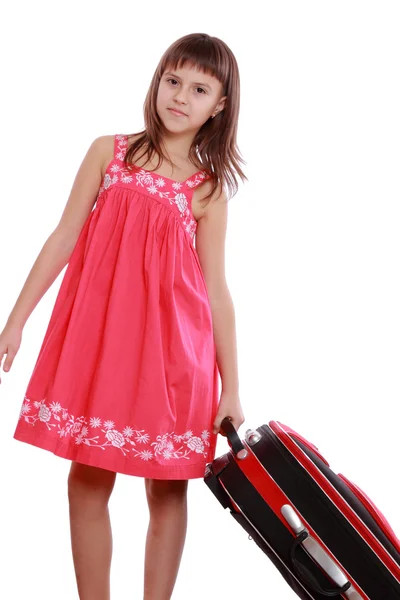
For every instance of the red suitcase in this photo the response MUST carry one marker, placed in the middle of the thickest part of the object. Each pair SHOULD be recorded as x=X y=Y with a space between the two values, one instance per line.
x=320 y=530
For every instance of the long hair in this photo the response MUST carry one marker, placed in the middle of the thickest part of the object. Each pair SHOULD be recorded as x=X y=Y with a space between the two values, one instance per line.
x=214 y=148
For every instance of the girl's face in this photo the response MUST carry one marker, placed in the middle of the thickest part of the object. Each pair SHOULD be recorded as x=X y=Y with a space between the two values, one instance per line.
x=197 y=95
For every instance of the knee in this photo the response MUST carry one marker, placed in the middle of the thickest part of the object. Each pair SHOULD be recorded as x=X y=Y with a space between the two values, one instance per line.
x=162 y=490
x=89 y=484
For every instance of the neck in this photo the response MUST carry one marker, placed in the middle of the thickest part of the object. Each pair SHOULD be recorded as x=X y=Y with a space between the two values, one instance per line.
x=177 y=146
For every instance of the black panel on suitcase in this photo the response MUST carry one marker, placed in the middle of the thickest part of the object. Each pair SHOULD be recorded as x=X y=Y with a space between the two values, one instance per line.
x=227 y=482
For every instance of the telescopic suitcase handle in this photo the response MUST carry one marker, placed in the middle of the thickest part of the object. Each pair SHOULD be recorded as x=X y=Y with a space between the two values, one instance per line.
x=307 y=577
x=234 y=440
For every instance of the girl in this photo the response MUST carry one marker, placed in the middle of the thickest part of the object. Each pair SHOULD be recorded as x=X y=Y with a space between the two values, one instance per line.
x=126 y=380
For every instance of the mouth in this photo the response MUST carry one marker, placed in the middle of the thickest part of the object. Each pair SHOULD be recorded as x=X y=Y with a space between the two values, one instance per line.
x=176 y=112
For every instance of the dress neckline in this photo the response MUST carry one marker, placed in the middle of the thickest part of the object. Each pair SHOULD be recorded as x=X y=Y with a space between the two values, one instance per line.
x=165 y=177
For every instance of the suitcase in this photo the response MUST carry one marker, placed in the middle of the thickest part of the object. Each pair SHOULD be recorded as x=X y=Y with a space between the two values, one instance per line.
x=320 y=530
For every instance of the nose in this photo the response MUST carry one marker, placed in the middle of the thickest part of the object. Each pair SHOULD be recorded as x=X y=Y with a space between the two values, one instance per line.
x=181 y=95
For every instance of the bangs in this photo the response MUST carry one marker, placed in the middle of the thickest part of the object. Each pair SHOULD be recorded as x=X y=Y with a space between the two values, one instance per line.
x=200 y=55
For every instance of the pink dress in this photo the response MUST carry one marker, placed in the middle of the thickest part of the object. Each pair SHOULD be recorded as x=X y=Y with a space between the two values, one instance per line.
x=126 y=378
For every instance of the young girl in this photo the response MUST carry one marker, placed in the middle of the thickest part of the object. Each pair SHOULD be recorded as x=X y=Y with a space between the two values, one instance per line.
x=126 y=380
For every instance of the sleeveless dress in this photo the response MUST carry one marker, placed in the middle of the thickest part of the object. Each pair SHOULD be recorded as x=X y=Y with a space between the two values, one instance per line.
x=126 y=378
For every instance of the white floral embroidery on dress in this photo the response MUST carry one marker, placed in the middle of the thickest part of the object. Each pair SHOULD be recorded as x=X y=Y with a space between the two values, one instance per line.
x=153 y=184
x=82 y=430
x=199 y=177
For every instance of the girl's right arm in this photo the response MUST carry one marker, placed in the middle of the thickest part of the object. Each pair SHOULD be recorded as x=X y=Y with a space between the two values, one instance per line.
x=58 y=247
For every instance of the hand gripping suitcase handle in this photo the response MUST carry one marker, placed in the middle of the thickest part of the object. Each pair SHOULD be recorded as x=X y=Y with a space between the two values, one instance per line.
x=234 y=440
x=306 y=576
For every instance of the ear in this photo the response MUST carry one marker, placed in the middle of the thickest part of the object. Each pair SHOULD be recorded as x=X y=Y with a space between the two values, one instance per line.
x=221 y=104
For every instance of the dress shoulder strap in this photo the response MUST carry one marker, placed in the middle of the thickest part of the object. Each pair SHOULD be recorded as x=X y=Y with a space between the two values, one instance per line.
x=196 y=179
x=120 y=146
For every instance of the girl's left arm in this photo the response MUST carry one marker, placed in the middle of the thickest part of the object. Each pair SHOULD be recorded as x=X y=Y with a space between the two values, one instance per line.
x=210 y=247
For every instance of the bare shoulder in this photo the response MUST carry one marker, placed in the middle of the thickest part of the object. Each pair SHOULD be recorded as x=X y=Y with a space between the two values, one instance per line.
x=207 y=207
x=105 y=145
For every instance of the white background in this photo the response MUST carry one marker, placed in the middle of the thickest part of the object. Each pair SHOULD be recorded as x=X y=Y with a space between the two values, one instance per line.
x=312 y=255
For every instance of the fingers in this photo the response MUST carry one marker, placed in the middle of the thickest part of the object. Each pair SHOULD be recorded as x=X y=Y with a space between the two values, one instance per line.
x=9 y=360
x=217 y=426
x=10 y=341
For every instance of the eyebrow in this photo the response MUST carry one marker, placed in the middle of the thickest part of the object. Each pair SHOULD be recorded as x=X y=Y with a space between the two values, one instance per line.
x=194 y=82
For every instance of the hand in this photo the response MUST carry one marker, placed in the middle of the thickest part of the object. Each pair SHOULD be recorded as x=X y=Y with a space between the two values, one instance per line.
x=229 y=406
x=10 y=341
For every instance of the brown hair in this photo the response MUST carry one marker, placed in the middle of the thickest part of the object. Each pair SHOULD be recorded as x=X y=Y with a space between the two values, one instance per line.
x=214 y=148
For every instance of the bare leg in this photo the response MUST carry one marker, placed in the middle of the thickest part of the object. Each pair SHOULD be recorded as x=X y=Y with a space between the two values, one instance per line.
x=167 y=500
x=89 y=490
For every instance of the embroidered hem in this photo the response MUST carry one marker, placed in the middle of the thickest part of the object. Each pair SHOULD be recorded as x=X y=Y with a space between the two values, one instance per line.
x=90 y=456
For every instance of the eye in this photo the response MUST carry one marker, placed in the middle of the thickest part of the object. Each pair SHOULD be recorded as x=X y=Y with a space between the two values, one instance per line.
x=198 y=88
